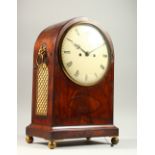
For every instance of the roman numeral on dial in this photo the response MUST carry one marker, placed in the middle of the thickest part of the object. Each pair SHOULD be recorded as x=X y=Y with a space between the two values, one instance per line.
x=77 y=32
x=69 y=64
x=67 y=52
x=101 y=66
x=76 y=73
x=105 y=55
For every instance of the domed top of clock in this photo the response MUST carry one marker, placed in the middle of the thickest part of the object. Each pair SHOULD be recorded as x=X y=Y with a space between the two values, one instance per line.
x=85 y=50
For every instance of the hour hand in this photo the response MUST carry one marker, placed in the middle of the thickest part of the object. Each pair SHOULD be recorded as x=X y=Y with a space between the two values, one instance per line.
x=77 y=46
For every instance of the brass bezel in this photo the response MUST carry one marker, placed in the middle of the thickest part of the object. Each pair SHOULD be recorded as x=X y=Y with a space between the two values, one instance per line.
x=62 y=34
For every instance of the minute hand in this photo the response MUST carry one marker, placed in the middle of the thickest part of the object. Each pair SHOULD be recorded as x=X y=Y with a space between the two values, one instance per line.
x=95 y=48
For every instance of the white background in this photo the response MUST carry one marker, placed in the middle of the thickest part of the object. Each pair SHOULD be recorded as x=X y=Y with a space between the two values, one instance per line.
x=146 y=76
x=119 y=19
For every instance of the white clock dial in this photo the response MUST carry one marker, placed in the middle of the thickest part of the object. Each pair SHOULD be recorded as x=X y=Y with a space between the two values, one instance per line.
x=84 y=54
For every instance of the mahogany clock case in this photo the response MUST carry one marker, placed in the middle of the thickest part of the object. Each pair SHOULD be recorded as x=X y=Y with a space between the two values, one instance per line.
x=70 y=104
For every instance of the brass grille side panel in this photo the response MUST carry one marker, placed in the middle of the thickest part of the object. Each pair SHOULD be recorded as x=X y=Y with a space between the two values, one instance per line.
x=42 y=90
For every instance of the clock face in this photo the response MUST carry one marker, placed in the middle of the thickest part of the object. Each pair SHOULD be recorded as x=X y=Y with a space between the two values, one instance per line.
x=84 y=54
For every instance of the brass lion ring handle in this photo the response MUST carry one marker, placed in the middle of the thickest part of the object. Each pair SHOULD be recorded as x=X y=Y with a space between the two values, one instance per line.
x=42 y=55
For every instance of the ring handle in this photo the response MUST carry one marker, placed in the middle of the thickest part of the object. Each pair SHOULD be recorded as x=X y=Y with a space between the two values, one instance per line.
x=42 y=55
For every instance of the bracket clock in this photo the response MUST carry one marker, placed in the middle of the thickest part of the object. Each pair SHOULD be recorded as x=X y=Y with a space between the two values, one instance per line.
x=73 y=83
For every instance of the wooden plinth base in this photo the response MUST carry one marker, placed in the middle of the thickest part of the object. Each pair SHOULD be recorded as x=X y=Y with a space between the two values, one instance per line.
x=51 y=133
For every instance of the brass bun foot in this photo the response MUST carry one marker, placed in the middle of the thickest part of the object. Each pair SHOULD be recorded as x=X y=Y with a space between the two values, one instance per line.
x=29 y=139
x=114 y=140
x=51 y=144
x=88 y=138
